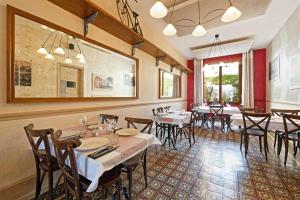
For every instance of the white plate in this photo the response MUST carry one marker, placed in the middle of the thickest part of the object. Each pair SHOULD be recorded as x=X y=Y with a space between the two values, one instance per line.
x=93 y=143
x=127 y=131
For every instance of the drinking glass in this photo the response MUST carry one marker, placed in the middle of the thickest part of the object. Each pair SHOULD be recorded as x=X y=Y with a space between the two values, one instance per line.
x=83 y=125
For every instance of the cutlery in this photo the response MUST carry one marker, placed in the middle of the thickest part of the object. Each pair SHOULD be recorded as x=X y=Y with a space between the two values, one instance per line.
x=100 y=150
x=103 y=152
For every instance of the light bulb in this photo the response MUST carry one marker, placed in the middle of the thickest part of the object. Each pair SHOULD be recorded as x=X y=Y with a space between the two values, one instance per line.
x=79 y=56
x=68 y=61
x=158 y=10
x=82 y=60
x=169 y=30
x=59 y=50
x=231 y=14
x=42 y=50
x=49 y=56
x=199 y=31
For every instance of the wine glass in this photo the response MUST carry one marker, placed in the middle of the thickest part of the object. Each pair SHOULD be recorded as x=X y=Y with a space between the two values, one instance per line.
x=83 y=125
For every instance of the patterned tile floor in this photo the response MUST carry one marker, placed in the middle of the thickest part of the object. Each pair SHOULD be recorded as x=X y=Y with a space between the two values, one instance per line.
x=215 y=169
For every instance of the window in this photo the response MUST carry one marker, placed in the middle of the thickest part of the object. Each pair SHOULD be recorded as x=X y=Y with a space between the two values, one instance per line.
x=170 y=85
x=222 y=83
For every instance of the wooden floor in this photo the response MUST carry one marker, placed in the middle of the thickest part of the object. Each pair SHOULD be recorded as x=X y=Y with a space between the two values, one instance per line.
x=215 y=168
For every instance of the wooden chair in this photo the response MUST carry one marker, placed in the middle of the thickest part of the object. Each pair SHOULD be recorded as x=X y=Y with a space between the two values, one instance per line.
x=290 y=134
x=216 y=114
x=279 y=113
x=75 y=184
x=253 y=128
x=160 y=110
x=44 y=162
x=130 y=165
x=190 y=127
x=167 y=108
x=105 y=117
x=160 y=128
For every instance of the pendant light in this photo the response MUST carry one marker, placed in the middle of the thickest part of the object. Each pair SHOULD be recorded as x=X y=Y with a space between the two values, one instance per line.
x=231 y=14
x=170 y=29
x=199 y=29
x=59 y=49
x=49 y=56
x=158 y=10
x=43 y=50
x=68 y=60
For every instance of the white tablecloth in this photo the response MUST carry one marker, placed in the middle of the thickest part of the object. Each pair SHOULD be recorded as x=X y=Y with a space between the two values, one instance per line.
x=175 y=118
x=276 y=123
x=226 y=110
x=92 y=169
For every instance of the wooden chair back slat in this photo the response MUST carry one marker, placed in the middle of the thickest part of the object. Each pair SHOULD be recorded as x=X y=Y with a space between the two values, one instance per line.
x=216 y=110
x=250 y=117
x=42 y=137
x=132 y=122
x=160 y=110
x=280 y=112
x=64 y=150
x=105 y=117
x=293 y=119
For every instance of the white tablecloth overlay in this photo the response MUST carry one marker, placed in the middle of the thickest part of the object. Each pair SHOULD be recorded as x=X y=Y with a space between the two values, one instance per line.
x=92 y=169
x=276 y=123
x=175 y=118
x=226 y=110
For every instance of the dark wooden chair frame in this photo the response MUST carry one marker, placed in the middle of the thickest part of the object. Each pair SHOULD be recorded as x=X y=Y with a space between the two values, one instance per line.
x=49 y=162
x=105 y=117
x=286 y=137
x=190 y=134
x=75 y=184
x=216 y=113
x=256 y=128
x=130 y=165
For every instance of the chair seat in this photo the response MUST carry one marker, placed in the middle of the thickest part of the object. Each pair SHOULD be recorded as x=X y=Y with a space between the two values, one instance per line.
x=133 y=162
x=44 y=166
x=254 y=132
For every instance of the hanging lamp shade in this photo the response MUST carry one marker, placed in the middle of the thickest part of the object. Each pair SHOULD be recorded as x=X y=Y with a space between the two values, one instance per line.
x=231 y=14
x=199 y=31
x=169 y=30
x=60 y=51
x=49 y=56
x=42 y=50
x=158 y=10
x=68 y=61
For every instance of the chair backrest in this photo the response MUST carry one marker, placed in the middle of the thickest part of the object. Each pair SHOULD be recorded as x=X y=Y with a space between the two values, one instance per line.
x=280 y=112
x=194 y=116
x=160 y=110
x=255 y=121
x=133 y=122
x=64 y=150
x=36 y=138
x=154 y=112
x=167 y=108
x=105 y=117
x=216 y=110
x=293 y=119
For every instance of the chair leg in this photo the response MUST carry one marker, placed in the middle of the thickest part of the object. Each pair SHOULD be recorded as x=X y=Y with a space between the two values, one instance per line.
x=145 y=169
x=66 y=189
x=242 y=134
x=50 y=186
x=275 y=138
x=260 y=144
x=279 y=145
x=38 y=183
x=119 y=188
x=129 y=176
x=246 y=141
x=194 y=133
x=266 y=147
x=295 y=148
x=286 y=144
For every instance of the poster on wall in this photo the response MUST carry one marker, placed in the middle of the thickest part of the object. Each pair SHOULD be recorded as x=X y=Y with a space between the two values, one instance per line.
x=294 y=72
x=100 y=81
x=129 y=79
x=22 y=73
x=274 y=69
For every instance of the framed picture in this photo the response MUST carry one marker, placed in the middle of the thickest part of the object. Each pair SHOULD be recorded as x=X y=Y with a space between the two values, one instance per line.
x=274 y=68
x=22 y=73
x=129 y=79
x=101 y=82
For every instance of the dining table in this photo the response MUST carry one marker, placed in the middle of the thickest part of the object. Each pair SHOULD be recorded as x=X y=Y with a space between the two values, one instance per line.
x=227 y=110
x=92 y=168
x=171 y=120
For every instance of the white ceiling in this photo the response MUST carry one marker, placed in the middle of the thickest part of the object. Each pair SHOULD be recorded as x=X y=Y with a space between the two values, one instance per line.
x=261 y=29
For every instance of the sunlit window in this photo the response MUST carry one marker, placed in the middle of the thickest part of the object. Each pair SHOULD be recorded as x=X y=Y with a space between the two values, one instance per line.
x=222 y=82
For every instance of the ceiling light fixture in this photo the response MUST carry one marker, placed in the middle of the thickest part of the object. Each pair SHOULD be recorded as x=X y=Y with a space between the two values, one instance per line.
x=199 y=29
x=158 y=10
x=229 y=14
x=170 y=29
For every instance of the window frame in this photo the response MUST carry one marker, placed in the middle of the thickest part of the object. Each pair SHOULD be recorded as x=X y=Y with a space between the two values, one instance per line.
x=220 y=86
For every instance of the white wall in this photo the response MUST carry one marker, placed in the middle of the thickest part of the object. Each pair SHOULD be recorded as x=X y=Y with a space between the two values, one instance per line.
x=286 y=45
x=16 y=158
